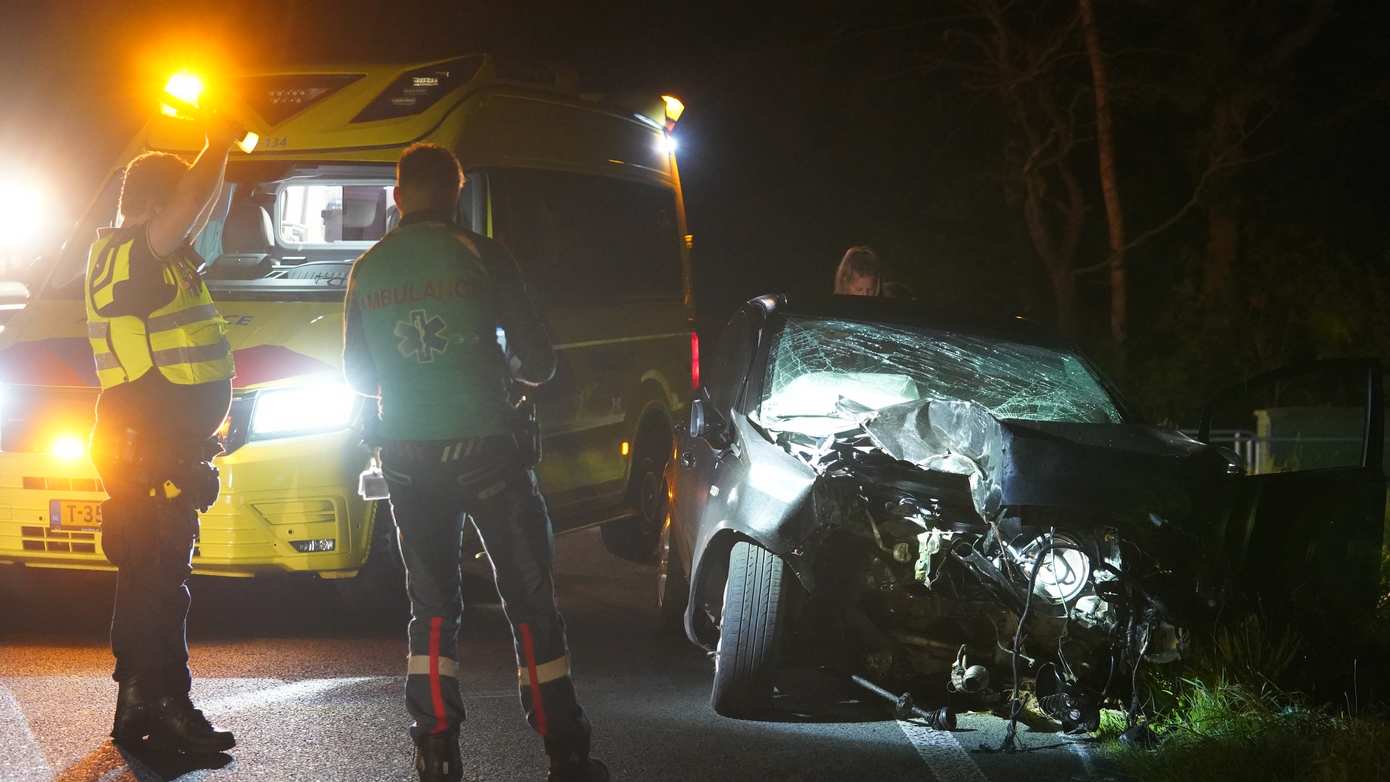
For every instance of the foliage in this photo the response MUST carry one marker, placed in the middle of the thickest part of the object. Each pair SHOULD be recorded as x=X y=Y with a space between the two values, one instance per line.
x=1224 y=717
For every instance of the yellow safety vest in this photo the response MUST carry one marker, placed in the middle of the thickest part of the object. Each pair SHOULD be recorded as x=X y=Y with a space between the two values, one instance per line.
x=185 y=339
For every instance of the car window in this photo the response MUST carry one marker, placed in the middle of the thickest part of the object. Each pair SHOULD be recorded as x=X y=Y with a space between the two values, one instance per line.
x=826 y=368
x=729 y=367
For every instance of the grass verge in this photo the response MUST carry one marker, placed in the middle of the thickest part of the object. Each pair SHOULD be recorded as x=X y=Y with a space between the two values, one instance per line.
x=1225 y=719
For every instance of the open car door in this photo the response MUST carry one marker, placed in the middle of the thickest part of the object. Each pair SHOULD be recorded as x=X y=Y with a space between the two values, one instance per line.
x=1304 y=540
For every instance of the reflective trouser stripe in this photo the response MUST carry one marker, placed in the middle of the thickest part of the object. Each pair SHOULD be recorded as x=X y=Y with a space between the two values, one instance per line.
x=171 y=356
x=528 y=648
x=554 y=670
x=441 y=720
x=419 y=665
x=181 y=318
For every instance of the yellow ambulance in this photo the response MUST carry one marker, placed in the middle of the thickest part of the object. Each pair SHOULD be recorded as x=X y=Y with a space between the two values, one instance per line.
x=584 y=191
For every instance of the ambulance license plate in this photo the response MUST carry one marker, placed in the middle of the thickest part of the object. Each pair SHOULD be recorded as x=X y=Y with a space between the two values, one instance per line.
x=74 y=514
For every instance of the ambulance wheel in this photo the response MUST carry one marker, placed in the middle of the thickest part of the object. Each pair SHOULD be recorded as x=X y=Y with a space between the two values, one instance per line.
x=635 y=538
x=378 y=589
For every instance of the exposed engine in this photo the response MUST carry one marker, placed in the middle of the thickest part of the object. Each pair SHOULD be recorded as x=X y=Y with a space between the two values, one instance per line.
x=928 y=579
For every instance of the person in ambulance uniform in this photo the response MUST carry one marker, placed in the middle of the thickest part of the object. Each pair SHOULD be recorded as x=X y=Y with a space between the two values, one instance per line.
x=165 y=368
x=425 y=308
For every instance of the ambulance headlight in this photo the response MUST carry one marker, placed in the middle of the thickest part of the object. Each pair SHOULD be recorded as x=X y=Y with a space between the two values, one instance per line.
x=299 y=410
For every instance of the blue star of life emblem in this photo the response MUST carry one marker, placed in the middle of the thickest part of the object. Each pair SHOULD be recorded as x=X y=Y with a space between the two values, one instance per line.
x=422 y=336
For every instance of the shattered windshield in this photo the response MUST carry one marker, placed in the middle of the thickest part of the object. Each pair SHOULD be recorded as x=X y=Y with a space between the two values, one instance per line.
x=825 y=371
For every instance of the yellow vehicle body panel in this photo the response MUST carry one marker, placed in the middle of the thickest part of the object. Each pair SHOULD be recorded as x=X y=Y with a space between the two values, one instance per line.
x=275 y=491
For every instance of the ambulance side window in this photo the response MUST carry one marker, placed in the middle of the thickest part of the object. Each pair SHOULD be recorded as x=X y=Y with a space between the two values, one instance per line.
x=588 y=237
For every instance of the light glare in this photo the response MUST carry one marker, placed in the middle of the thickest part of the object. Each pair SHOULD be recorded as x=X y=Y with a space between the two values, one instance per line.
x=22 y=213
x=321 y=407
x=674 y=108
x=68 y=447
x=185 y=86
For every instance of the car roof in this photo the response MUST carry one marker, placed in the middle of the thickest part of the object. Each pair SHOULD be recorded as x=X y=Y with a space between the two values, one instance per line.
x=957 y=318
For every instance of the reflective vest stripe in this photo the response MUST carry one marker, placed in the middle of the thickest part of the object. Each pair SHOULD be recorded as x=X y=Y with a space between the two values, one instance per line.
x=106 y=361
x=99 y=329
x=113 y=268
x=181 y=318
x=170 y=356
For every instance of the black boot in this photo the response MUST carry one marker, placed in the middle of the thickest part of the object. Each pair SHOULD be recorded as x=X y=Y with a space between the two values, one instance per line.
x=176 y=725
x=437 y=758
x=589 y=770
x=134 y=707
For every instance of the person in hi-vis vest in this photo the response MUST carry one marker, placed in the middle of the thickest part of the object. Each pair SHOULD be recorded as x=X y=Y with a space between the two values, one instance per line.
x=165 y=369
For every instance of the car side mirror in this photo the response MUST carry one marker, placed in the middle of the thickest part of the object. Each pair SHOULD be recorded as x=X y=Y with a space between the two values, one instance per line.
x=697 y=417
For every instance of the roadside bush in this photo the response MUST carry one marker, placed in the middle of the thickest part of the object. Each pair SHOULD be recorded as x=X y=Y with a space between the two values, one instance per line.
x=1225 y=717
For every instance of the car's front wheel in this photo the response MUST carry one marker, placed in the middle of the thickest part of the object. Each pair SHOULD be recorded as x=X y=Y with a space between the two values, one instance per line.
x=750 y=632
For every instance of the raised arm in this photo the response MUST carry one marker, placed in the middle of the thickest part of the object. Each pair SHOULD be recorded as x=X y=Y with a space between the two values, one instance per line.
x=193 y=195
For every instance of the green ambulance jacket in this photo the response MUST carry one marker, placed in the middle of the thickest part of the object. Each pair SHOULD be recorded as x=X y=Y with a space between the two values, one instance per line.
x=421 y=331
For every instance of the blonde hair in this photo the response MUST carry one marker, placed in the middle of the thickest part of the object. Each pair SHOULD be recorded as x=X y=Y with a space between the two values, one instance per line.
x=859 y=261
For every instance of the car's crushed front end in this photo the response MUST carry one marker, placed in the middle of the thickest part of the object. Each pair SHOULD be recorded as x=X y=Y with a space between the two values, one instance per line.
x=964 y=515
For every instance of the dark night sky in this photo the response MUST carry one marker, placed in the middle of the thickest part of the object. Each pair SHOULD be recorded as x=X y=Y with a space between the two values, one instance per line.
x=806 y=128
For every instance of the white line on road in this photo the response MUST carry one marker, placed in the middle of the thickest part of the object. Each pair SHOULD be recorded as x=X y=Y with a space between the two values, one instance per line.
x=21 y=758
x=948 y=761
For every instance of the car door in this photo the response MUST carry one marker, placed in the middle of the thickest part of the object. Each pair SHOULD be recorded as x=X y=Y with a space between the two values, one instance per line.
x=699 y=453
x=1305 y=539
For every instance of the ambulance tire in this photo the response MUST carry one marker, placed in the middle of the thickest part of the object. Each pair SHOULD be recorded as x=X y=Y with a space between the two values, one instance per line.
x=377 y=593
x=635 y=538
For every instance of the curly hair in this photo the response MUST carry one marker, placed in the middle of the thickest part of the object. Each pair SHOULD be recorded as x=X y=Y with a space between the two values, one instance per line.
x=149 y=181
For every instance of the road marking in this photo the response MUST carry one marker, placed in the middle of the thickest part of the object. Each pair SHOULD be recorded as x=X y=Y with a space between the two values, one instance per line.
x=942 y=753
x=21 y=758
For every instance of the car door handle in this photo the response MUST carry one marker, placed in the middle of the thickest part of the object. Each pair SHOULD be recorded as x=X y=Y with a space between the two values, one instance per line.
x=688 y=460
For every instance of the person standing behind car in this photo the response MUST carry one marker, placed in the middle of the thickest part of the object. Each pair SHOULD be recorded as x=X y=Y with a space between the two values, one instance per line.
x=421 y=333
x=860 y=273
x=165 y=369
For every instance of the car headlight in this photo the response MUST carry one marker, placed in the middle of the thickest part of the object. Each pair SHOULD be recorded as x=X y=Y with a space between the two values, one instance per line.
x=1065 y=570
x=298 y=410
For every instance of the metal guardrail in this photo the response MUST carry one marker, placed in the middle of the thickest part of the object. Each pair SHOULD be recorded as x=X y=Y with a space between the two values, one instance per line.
x=1254 y=450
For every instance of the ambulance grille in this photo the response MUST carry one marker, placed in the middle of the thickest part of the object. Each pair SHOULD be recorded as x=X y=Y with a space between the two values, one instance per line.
x=36 y=538
x=63 y=484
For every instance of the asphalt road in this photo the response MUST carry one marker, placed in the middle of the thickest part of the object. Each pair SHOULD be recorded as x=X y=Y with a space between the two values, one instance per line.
x=311 y=696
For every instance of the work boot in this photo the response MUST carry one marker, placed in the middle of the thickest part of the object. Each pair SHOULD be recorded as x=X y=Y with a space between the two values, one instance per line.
x=175 y=725
x=588 y=770
x=134 y=706
x=437 y=758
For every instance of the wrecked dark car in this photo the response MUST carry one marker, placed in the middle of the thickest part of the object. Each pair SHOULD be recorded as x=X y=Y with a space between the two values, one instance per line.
x=962 y=509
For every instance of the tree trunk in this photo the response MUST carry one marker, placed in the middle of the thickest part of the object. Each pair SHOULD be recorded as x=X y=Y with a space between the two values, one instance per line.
x=1223 y=214
x=1114 y=215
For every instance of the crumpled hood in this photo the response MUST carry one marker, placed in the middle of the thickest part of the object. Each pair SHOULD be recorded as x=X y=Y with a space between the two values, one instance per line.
x=1092 y=468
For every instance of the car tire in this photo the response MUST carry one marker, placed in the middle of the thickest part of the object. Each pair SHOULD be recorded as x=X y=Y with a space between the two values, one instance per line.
x=672 y=588
x=635 y=538
x=750 y=632
x=377 y=592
